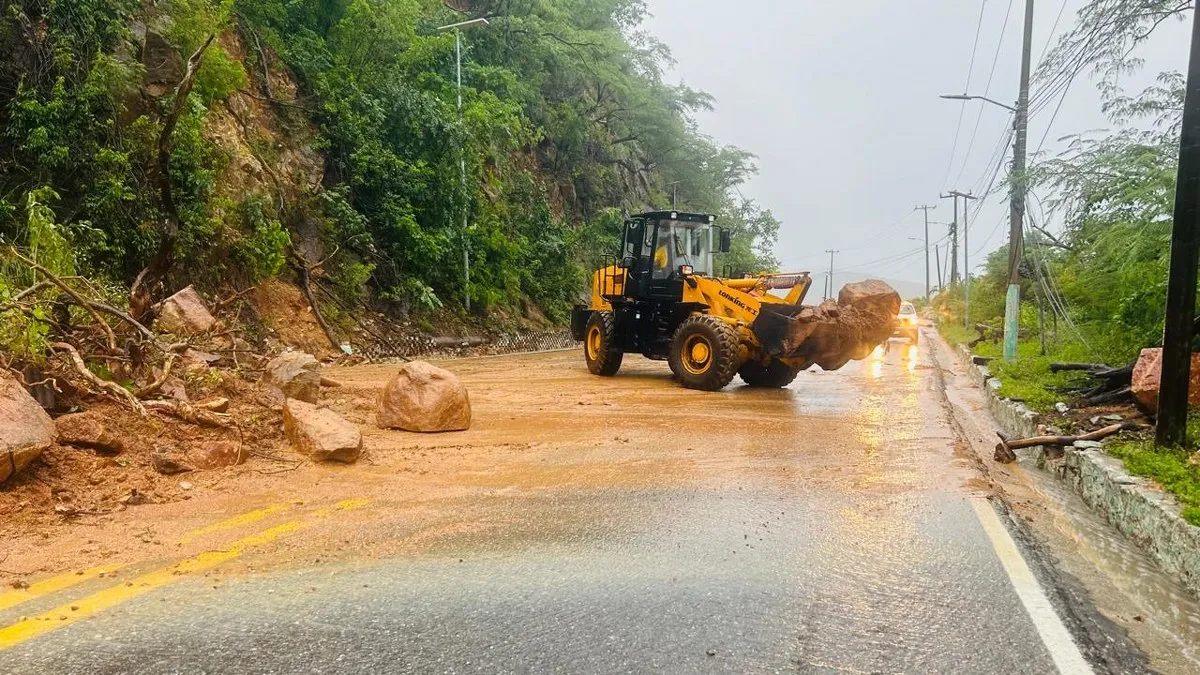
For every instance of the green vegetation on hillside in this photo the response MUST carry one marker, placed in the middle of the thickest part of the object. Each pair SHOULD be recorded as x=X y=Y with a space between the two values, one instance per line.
x=567 y=122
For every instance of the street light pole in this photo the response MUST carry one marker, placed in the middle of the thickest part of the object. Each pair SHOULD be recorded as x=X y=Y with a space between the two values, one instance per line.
x=926 y=210
x=462 y=160
x=1012 y=300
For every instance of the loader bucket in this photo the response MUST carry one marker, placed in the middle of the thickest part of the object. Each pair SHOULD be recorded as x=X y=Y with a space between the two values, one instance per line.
x=832 y=333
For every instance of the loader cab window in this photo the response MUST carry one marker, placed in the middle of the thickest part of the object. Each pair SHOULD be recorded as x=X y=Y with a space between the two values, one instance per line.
x=681 y=243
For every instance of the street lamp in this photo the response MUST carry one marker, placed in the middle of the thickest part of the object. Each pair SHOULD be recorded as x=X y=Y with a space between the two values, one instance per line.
x=966 y=97
x=462 y=160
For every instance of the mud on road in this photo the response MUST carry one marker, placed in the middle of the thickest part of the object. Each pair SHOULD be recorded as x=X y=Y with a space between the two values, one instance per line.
x=843 y=498
x=541 y=424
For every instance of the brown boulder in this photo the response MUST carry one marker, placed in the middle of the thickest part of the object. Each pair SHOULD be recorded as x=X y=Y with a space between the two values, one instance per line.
x=872 y=296
x=25 y=429
x=216 y=455
x=320 y=433
x=294 y=375
x=1147 y=374
x=169 y=460
x=423 y=397
x=832 y=333
x=185 y=313
x=87 y=430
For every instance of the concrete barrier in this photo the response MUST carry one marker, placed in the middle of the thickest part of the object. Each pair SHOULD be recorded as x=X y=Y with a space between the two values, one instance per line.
x=1136 y=507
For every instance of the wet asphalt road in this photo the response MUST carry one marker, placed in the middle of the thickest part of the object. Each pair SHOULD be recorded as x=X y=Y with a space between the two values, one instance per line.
x=841 y=538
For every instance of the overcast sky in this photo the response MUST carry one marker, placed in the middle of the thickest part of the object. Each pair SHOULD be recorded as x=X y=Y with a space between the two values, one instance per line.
x=839 y=101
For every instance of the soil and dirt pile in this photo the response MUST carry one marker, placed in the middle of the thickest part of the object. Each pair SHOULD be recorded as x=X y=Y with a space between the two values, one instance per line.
x=833 y=333
x=422 y=397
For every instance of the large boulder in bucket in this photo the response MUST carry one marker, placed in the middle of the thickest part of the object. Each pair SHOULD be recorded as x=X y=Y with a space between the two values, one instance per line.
x=832 y=333
x=422 y=397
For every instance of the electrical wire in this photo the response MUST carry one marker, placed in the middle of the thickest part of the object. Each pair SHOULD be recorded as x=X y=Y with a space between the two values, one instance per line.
x=987 y=90
x=963 y=108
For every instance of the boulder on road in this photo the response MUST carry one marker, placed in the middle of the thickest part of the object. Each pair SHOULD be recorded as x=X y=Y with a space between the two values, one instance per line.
x=294 y=375
x=185 y=313
x=873 y=296
x=422 y=397
x=1147 y=374
x=87 y=430
x=320 y=433
x=25 y=429
x=216 y=455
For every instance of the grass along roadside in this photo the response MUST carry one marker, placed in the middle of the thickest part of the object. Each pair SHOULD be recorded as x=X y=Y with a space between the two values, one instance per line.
x=1028 y=379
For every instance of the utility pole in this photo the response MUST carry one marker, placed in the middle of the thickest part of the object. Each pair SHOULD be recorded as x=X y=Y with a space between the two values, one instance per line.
x=937 y=253
x=966 y=197
x=1016 y=223
x=953 y=259
x=831 y=254
x=926 y=210
x=1185 y=254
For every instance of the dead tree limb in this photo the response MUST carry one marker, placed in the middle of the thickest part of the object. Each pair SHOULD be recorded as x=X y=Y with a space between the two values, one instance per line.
x=190 y=414
x=79 y=300
x=141 y=293
x=114 y=389
x=1006 y=446
x=304 y=270
x=1087 y=367
x=162 y=379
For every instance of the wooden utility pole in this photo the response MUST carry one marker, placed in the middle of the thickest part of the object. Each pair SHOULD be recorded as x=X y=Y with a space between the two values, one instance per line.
x=937 y=255
x=926 y=210
x=966 y=197
x=1016 y=220
x=1185 y=255
x=831 y=254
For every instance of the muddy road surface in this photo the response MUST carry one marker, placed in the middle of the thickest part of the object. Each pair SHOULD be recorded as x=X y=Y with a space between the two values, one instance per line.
x=589 y=525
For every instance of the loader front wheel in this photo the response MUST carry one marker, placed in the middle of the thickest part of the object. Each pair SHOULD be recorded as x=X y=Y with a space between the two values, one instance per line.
x=774 y=375
x=601 y=348
x=704 y=354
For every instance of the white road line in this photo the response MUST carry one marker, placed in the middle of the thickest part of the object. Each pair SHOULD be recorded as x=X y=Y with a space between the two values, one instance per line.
x=1055 y=635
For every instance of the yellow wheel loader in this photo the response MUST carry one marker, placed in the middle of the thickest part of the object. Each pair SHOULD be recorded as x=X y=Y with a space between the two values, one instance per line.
x=660 y=298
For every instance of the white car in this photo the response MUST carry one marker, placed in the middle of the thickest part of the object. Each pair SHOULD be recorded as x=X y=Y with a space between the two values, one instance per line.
x=908 y=323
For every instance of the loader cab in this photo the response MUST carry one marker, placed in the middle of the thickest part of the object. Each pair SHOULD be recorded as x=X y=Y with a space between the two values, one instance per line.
x=661 y=248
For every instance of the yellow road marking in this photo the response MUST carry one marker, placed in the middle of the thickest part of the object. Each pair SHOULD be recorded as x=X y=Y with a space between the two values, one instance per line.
x=70 y=613
x=52 y=585
x=231 y=523
x=65 y=615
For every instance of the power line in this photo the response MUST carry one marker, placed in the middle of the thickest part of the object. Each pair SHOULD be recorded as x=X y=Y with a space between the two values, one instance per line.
x=987 y=89
x=963 y=108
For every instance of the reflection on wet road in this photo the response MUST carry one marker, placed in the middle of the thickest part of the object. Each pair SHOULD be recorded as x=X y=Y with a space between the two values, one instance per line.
x=635 y=527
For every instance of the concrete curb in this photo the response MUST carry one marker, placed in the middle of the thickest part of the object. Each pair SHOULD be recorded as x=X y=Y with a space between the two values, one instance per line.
x=1135 y=506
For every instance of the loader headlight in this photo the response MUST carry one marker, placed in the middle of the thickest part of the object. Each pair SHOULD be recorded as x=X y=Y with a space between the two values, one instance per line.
x=686 y=270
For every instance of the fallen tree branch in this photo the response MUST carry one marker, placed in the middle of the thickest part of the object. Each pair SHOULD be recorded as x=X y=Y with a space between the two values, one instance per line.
x=305 y=273
x=191 y=414
x=1006 y=446
x=79 y=300
x=114 y=389
x=166 y=372
x=1087 y=367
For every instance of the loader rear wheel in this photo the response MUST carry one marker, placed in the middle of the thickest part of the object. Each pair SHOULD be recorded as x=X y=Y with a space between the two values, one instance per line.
x=775 y=374
x=704 y=353
x=600 y=346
